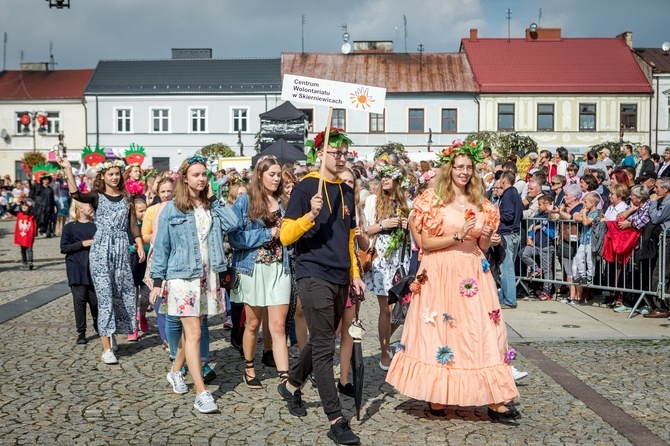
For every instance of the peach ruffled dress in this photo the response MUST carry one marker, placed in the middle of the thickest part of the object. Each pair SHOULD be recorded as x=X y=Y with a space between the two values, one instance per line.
x=454 y=343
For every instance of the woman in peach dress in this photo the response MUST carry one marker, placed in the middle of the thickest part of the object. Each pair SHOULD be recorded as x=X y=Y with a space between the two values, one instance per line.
x=454 y=347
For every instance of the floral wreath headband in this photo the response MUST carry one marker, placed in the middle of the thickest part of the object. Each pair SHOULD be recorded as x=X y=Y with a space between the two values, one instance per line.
x=100 y=168
x=335 y=139
x=388 y=171
x=427 y=176
x=472 y=149
x=265 y=157
x=131 y=165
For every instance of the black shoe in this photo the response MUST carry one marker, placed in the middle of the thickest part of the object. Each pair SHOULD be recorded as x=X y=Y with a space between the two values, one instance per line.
x=347 y=390
x=312 y=378
x=510 y=414
x=252 y=382
x=341 y=433
x=439 y=412
x=293 y=400
x=268 y=359
x=81 y=339
x=208 y=375
x=30 y=266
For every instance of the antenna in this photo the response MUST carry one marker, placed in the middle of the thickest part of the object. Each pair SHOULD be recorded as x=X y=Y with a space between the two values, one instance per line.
x=21 y=55
x=420 y=49
x=508 y=14
x=52 y=61
x=4 y=53
x=539 y=18
x=346 y=46
x=303 y=33
x=404 y=20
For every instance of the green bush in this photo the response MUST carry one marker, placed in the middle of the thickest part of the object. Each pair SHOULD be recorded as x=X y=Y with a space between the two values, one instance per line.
x=504 y=144
x=616 y=149
x=213 y=152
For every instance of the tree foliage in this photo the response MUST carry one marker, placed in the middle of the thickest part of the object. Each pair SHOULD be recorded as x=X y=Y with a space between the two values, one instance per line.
x=392 y=148
x=616 y=149
x=213 y=152
x=503 y=143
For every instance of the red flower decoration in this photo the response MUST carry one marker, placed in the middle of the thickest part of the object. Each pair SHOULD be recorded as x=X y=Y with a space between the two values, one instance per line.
x=469 y=213
x=447 y=151
x=495 y=316
x=318 y=139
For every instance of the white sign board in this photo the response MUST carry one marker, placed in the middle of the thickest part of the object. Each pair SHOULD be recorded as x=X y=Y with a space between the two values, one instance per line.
x=334 y=94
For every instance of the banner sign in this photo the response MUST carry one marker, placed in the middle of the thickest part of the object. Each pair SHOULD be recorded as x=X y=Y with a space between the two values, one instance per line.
x=334 y=94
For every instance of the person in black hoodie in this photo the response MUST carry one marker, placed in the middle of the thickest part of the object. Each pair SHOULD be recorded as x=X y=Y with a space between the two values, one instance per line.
x=75 y=243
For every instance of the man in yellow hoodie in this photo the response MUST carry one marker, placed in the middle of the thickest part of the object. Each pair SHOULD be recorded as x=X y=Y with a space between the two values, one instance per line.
x=325 y=265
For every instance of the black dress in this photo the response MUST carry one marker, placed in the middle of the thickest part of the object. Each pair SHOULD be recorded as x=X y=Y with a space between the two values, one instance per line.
x=44 y=207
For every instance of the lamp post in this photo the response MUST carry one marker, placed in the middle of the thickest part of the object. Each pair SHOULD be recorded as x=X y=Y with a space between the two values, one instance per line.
x=240 y=144
x=430 y=138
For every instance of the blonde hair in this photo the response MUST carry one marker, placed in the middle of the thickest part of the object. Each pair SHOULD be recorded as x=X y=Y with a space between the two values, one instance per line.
x=389 y=202
x=234 y=192
x=75 y=213
x=474 y=190
x=182 y=199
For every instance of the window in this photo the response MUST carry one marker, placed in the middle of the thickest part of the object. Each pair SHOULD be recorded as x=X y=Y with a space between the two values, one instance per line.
x=587 y=117
x=198 y=120
x=19 y=126
x=449 y=120
x=161 y=120
x=240 y=119
x=416 y=120
x=506 y=117
x=629 y=116
x=545 y=117
x=310 y=118
x=339 y=119
x=123 y=118
x=161 y=163
x=377 y=124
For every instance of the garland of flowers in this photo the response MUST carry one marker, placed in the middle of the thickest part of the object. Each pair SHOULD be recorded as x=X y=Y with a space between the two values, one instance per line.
x=335 y=139
x=108 y=165
x=390 y=171
x=473 y=149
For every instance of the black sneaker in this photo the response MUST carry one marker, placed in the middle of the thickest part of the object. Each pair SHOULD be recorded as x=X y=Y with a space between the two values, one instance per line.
x=293 y=400
x=31 y=266
x=347 y=390
x=341 y=433
x=268 y=359
x=81 y=339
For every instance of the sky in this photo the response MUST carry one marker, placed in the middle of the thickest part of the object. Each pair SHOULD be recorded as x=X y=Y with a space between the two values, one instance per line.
x=94 y=30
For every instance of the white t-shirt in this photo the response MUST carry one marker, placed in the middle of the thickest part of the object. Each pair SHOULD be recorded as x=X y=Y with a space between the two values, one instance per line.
x=612 y=211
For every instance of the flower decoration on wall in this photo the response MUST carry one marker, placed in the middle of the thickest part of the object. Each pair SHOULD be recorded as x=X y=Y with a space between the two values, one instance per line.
x=468 y=287
x=444 y=355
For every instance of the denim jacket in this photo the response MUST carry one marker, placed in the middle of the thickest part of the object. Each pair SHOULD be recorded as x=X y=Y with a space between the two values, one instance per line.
x=177 y=249
x=248 y=236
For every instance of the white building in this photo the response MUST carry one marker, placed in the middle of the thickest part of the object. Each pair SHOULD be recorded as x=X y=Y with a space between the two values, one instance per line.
x=656 y=65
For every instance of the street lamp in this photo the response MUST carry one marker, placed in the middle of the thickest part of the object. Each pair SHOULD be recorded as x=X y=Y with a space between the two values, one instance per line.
x=430 y=138
x=240 y=144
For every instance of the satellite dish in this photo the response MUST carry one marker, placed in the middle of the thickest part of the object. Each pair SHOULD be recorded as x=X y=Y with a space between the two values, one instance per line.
x=5 y=136
x=533 y=27
x=665 y=46
x=346 y=48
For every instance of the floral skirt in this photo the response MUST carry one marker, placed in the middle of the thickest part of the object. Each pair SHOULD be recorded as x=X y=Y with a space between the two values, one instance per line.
x=193 y=297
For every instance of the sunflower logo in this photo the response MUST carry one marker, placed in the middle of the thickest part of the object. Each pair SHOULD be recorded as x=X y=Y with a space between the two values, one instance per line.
x=361 y=98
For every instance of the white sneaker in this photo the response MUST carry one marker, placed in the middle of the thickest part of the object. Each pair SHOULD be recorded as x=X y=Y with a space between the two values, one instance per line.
x=565 y=300
x=517 y=374
x=204 y=403
x=177 y=381
x=109 y=358
x=115 y=346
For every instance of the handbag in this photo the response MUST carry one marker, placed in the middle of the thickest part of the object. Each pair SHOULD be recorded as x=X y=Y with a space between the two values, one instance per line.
x=366 y=256
x=228 y=278
x=401 y=280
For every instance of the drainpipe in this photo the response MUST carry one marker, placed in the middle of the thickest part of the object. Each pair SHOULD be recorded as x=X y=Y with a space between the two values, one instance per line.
x=658 y=95
x=476 y=99
x=97 y=122
x=83 y=102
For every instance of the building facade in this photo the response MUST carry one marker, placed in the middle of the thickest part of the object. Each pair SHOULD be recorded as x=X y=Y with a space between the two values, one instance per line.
x=656 y=65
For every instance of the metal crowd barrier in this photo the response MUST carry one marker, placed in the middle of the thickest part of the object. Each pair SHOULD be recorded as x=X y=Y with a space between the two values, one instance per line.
x=632 y=275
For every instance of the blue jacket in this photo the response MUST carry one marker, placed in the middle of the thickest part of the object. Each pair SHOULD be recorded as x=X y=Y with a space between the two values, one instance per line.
x=546 y=234
x=177 y=249
x=248 y=236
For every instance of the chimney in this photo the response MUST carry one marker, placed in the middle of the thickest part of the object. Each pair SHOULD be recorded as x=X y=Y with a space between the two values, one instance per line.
x=473 y=34
x=627 y=37
x=34 y=66
x=191 y=53
x=373 y=46
x=543 y=34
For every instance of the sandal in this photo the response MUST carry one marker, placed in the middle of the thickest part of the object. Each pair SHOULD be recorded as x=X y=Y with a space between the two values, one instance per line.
x=252 y=382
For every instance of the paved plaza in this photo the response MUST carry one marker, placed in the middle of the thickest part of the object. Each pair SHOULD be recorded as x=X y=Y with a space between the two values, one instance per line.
x=595 y=378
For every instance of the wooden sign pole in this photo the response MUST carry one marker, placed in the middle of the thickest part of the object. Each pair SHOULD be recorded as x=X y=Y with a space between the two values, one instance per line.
x=326 y=137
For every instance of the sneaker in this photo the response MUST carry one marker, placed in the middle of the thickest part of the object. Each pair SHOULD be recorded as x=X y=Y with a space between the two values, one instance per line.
x=535 y=274
x=293 y=400
x=622 y=309
x=565 y=300
x=143 y=324
x=341 y=433
x=544 y=296
x=204 y=403
x=108 y=357
x=346 y=390
x=517 y=374
x=132 y=337
x=176 y=379
x=24 y=265
x=228 y=323
x=294 y=351
x=644 y=310
x=208 y=375
x=508 y=307
x=115 y=346
x=575 y=302
x=81 y=339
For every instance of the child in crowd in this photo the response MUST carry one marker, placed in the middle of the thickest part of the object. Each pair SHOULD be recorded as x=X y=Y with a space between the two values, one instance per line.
x=540 y=242
x=25 y=231
x=75 y=243
x=139 y=269
x=572 y=177
x=583 y=263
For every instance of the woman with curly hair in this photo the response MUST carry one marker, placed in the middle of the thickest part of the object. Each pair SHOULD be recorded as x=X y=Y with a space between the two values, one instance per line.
x=454 y=345
x=386 y=222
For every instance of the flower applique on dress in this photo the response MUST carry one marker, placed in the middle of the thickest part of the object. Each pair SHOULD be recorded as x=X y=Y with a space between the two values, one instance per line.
x=511 y=354
x=429 y=316
x=468 y=287
x=444 y=355
x=446 y=318
x=486 y=266
x=495 y=316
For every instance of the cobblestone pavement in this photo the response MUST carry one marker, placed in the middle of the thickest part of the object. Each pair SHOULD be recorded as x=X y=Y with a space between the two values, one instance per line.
x=56 y=392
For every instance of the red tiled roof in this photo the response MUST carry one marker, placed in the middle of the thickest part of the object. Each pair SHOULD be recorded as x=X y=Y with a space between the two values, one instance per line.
x=567 y=65
x=60 y=84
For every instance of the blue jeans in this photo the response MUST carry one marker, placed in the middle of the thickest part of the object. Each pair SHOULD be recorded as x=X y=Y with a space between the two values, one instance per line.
x=507 y=295
x=173 y=332
x=160 y=321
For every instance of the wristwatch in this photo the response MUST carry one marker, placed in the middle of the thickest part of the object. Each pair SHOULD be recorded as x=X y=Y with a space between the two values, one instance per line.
x=457 y=237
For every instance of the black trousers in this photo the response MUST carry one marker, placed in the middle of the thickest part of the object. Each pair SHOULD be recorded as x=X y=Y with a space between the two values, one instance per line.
x=26 y=255
x=655 y=277
x=81 y=295
x=237 y=333
x=323 y=304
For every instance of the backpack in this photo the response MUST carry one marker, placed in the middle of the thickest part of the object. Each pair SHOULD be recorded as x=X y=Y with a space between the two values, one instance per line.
x=598 y=231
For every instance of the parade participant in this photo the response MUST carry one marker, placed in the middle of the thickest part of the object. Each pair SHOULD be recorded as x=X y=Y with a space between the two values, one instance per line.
x=62 y=204
x=386 y=223
x=187 y=257
x=234 y=317
x=262 y=264
x=75 y=243
x=454 y=343
x=25 y=231
x=133 y=179
x=109 y=257
x=45 y=205
x=139 y=269
x=325 y=265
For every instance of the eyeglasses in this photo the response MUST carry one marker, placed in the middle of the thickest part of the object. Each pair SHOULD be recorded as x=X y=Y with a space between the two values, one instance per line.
x=338 y=154
x=196 y=159
x=461 y=168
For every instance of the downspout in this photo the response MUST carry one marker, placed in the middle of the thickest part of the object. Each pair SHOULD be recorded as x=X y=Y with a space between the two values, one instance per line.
x=476 y=99
x=97 y=122
x=658 y=96
x=83 y=102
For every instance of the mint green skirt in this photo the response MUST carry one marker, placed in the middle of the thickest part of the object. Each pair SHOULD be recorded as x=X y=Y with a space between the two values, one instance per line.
x=268 y=285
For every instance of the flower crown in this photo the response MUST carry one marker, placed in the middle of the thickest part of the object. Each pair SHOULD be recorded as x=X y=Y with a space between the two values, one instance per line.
x=472 y=149
x=335 y=139
x=108 y=165
x=265 y=157
x=131 y=165
x=427 y=176
x=389 y=171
